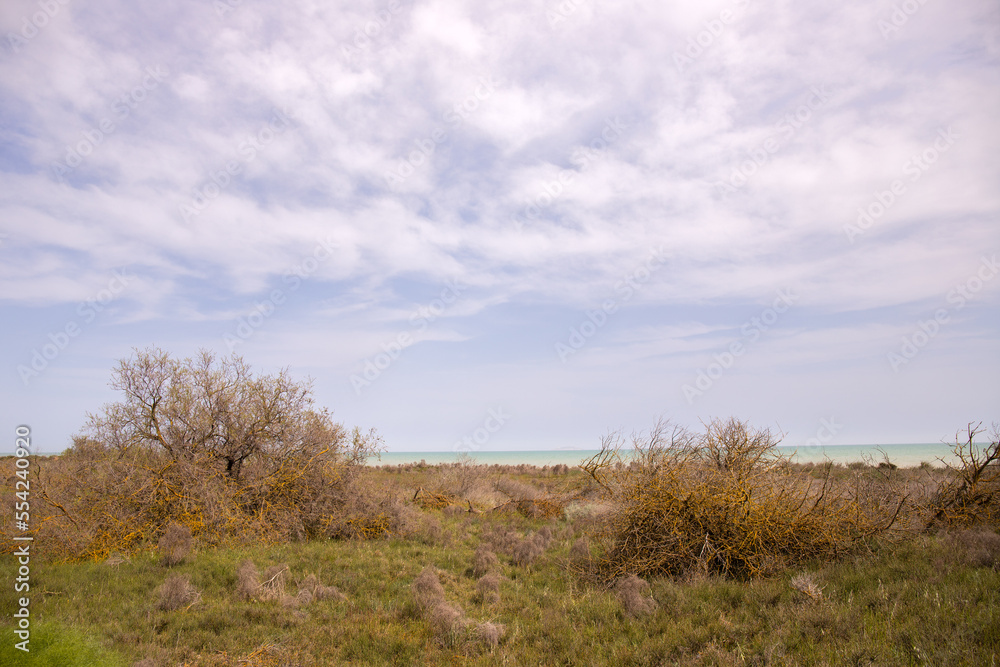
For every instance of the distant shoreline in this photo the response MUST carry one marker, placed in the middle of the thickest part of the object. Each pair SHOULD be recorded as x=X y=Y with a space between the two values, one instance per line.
x=904 y=456
x=901 y=455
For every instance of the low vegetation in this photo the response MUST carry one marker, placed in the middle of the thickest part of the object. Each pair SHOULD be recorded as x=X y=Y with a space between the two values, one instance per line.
x=933 y=599
x=276 y=545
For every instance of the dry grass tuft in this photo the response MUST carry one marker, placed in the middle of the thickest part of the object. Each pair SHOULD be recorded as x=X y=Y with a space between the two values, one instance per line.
x=484 y=561
x=488 y=588
x=175 y=544
x=979 y=548
x=272 y=586
x=317 y=591
x=539 y=508
x=250 y=585
x=501 y=539
x=527 y=551
x=431 y=532
x=114 y=560
x=427 y=589
x=580 y=550
x=630 y=591
x=176 y=592
x=490 y=634
x=804 y=583
x=447 y=620
x=515 y=489
x=247 y=580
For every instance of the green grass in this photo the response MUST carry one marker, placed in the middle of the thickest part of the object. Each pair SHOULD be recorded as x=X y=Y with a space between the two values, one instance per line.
x=918 y=603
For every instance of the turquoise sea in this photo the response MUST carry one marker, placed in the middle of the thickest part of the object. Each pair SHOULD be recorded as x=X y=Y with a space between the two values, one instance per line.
x=904 y=456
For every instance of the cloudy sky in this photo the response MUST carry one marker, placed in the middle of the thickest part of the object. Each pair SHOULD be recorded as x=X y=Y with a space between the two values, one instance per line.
x=522 y=224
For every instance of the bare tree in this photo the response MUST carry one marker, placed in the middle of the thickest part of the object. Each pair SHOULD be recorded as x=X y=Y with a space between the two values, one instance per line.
x=217 y=412
x=972 y=494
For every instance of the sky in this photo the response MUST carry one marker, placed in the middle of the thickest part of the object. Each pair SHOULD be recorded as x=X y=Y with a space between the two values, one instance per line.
x=517 y=225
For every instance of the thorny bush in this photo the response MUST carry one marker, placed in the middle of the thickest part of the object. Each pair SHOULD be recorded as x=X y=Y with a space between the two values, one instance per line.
x=726 y=502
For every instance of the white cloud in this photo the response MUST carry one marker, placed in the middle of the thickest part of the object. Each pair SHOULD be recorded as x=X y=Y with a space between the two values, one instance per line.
x=532 y=96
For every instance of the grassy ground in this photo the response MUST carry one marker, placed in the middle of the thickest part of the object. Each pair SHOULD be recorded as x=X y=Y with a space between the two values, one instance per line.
x=929 y=600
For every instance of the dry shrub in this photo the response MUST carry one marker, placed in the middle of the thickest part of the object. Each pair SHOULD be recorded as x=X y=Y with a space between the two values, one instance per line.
x=205 y=443
x=630 y=591
x=805 y=584
x=490 y=634
x=726 y=503
x=460 y=479
x=432 y=500
x=488 y=588
x=176 y=592
x=364 y=517
x=484 y=561
x=971 y=494
x=175 y=544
